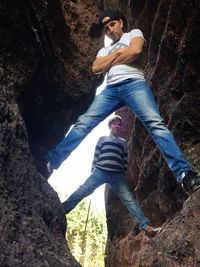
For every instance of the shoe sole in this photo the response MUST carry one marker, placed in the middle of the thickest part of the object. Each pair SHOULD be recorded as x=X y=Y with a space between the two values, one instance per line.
x=195 y=188
x=157 y=233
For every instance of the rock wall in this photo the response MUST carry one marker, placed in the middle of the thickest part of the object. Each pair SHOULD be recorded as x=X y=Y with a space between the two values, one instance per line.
x=47 y=48
x=172 y=70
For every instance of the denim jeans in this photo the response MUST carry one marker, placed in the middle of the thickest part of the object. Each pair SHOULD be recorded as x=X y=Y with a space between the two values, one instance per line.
x=137 y=95
x=120 y=188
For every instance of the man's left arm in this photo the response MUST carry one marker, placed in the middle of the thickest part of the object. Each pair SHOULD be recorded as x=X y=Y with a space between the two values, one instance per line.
x=96 y=153
x=130 y=53
x=125 y=156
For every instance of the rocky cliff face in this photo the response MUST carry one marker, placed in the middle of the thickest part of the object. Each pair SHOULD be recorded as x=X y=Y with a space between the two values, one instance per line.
x=47 y=48
x=172 y=71
x=46 y=52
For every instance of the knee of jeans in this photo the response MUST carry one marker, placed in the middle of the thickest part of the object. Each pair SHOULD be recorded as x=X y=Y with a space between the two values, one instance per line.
x=128 y=197
x=85 y=123
x=158 y=127
x=161 y=131
x=130 y=202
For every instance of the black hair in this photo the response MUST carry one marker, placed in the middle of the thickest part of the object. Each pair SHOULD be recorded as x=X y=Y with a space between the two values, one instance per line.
x=112 y=14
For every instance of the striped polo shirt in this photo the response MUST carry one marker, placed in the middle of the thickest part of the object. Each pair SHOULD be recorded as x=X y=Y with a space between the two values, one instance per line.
x=111 y=154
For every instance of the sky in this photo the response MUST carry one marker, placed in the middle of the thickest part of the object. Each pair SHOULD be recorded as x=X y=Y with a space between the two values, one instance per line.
x=77 y=167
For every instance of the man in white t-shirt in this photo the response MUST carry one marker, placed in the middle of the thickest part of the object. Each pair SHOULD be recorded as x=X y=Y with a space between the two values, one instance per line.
x=125 y=86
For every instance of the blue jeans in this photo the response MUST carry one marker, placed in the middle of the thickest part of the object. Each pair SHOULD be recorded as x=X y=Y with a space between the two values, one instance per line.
x=137 y=95
x=120 y=188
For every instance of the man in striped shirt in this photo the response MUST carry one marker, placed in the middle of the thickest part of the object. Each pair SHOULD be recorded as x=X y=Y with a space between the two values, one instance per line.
x=109 y=166
x=111 y=151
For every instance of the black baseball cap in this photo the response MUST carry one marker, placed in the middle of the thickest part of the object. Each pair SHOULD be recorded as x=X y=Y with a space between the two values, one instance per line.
x=112 y=14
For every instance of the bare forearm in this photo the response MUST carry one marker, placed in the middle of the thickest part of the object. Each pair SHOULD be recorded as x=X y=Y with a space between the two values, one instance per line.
x=126 y=57
x=102 y=64
x=120 y=56
x=129 y=54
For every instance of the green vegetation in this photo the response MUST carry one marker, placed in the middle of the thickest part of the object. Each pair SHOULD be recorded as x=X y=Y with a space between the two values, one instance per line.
x=86 y=235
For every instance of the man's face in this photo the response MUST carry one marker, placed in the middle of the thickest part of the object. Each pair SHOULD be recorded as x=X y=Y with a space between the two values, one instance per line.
x=113 y=29
x=115 y=127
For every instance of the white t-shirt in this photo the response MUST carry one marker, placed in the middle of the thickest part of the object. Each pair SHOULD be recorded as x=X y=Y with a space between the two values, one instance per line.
x=122 y=72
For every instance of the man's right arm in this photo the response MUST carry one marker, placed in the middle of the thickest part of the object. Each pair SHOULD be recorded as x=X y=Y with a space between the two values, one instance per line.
x=102 y=64
x=96 y=153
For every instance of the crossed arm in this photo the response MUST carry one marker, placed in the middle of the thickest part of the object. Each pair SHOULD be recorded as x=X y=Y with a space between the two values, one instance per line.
x=120 y=56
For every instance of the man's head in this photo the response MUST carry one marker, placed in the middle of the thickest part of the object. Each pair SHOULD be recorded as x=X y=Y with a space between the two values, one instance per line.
x=112 y=24
x=115 y=124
